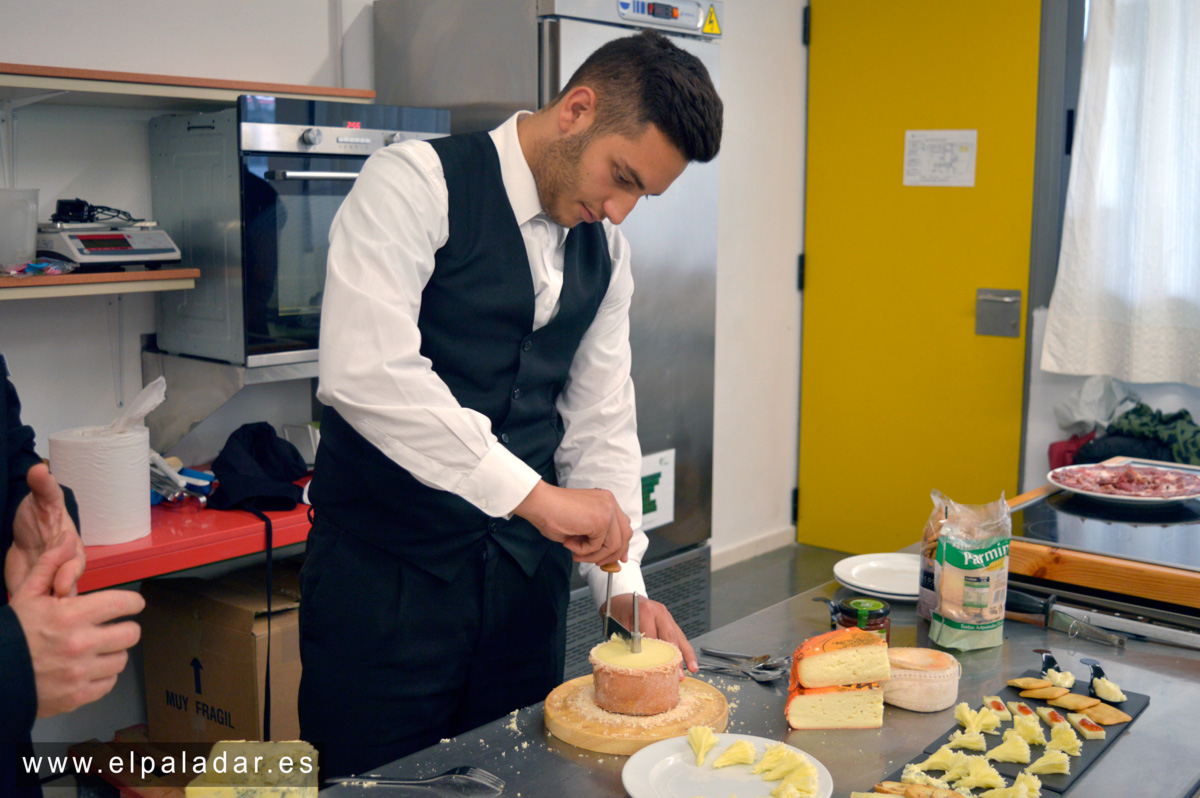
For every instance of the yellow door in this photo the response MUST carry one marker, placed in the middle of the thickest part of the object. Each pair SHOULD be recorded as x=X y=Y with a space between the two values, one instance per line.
x=898 y=394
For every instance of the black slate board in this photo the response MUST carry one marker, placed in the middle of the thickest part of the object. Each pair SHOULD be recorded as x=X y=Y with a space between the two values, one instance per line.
x=1059 y=783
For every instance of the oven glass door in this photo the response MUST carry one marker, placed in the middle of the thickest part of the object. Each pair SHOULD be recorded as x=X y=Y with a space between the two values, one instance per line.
x=288 y=205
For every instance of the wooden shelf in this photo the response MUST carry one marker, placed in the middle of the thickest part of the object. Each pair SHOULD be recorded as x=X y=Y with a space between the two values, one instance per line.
x=127 y=282
x=138 y=90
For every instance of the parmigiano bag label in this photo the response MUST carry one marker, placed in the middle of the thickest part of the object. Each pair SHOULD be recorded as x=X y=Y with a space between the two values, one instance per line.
x=972 y=583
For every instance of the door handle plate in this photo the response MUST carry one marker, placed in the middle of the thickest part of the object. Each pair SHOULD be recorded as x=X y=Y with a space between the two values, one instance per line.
x=998 y=312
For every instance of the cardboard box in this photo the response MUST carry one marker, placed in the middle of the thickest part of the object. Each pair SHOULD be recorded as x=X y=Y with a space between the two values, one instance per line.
x=204 y=644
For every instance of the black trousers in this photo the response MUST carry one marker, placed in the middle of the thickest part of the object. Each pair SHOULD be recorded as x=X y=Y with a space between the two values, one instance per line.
x=395 y=659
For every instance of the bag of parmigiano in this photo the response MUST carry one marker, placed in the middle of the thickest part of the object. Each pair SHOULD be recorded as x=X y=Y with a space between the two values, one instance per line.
x=970 y=574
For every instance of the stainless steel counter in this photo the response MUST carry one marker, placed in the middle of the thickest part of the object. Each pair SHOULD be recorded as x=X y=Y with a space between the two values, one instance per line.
x=1156 y=756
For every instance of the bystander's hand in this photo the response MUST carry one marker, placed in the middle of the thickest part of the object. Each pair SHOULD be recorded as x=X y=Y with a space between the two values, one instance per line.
x=43 y=526
x=76 y=648
x=656 y=621
x=588 y=522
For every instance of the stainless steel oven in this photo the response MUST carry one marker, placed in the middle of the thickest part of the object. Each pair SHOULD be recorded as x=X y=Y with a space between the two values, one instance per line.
x=248 y=194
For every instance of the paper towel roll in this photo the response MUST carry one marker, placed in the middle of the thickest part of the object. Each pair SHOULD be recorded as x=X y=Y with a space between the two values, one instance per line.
x=110 y=474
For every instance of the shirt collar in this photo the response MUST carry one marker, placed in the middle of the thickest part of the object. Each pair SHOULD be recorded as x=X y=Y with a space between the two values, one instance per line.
x=514 y=170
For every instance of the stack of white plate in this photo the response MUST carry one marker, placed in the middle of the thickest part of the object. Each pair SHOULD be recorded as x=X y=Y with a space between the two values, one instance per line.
x=893 y=576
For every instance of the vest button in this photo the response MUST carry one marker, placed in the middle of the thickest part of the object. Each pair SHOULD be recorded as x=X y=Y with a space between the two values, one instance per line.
x=527 y=346
x=491 y=528
x=516 y=393
x=504 y=437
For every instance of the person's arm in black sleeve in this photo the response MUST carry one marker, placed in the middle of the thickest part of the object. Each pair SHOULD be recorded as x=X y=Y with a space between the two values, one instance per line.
x=19 y=456
x=18 y=691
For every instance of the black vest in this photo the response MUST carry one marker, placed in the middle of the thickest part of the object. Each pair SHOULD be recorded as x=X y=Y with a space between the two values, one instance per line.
x=476 y=324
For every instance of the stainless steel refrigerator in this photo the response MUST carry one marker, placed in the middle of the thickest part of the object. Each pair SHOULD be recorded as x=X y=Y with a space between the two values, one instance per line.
x=486 y=59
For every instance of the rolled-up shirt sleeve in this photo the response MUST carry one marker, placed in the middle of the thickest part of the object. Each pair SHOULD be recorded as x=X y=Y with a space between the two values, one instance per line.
x=600 y=447
x=381 y=255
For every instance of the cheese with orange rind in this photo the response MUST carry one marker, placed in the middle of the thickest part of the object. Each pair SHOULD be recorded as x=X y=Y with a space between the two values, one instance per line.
x=841 y=657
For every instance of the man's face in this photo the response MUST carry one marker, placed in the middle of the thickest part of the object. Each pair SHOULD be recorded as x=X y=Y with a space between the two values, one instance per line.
x=586 y=178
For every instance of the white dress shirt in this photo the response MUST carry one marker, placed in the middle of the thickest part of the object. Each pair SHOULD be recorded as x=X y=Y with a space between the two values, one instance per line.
x=381 y=255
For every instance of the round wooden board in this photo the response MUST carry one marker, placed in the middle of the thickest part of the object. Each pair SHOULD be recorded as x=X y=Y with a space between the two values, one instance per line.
x=572 y=716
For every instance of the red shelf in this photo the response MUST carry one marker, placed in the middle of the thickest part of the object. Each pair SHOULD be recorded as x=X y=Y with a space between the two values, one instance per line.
x=179 y=540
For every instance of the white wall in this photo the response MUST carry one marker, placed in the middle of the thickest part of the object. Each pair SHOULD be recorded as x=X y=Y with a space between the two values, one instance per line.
x=764 y=75
x=73 y=358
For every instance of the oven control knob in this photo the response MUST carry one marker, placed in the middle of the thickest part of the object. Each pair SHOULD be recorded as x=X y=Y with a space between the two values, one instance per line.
x=311 y=136
x=392 y=138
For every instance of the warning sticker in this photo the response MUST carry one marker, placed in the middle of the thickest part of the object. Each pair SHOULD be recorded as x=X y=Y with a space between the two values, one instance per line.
x=711 y=25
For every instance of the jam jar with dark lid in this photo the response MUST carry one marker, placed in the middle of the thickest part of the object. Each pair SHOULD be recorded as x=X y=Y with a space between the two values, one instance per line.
x=870 y=614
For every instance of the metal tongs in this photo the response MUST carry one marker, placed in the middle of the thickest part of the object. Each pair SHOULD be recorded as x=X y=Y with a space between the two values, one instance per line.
x=611 y=625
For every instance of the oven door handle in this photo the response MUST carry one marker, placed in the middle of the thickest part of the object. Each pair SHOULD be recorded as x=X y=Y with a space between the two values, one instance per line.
x=287 y=174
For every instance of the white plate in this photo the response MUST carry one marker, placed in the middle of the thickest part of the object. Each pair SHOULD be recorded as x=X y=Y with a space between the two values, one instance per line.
x=667 y=769
x=1117 y=499
x=894 y=574
x=891 y=597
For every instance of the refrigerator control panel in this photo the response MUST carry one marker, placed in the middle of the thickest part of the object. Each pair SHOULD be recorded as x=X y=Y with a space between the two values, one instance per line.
x=686 y=15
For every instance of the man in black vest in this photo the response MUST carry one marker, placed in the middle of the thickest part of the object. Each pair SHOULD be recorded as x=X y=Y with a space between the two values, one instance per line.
x=58 y=651
x=479 y=432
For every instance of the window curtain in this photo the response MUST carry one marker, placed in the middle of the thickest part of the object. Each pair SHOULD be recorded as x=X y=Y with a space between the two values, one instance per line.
x=1126 y=301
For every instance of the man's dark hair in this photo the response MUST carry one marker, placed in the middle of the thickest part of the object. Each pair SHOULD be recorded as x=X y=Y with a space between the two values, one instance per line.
x=645 y=79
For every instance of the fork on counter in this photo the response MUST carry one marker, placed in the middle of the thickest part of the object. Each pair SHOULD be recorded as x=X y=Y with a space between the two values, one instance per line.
x=461 y=780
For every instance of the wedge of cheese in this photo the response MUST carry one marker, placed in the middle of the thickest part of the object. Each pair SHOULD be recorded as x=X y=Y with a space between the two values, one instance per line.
x=1087 y=728
x=841 y=657
x=857 y=706
x=264 y=770
x=994 y=703
x=1052 y=716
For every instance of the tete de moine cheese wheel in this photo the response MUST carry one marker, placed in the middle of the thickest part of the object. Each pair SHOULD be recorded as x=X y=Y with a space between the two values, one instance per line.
x=646 y=683
x=923 y=679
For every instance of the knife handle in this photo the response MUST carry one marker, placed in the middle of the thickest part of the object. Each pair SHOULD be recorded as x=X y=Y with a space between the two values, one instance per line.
x=611 y=568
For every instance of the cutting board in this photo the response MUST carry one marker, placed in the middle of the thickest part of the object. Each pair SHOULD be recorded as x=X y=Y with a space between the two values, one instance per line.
x=572 y=716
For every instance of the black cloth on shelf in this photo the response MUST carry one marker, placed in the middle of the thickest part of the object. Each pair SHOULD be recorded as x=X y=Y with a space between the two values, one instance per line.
x=257 y=471
x=1100 y=449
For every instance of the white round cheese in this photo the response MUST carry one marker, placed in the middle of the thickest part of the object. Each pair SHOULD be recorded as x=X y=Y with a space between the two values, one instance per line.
x=923 y=679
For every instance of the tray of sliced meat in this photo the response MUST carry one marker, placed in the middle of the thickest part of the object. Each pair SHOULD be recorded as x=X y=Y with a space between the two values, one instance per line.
x=1128 y=484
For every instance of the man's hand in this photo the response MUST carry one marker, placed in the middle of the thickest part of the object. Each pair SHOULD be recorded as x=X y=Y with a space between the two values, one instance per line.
x=76 y=651
x=656 y=621
x=43 y=527
x=589 y=523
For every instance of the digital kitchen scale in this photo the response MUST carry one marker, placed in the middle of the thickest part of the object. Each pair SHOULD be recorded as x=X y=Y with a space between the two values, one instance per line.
x=99 y=244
